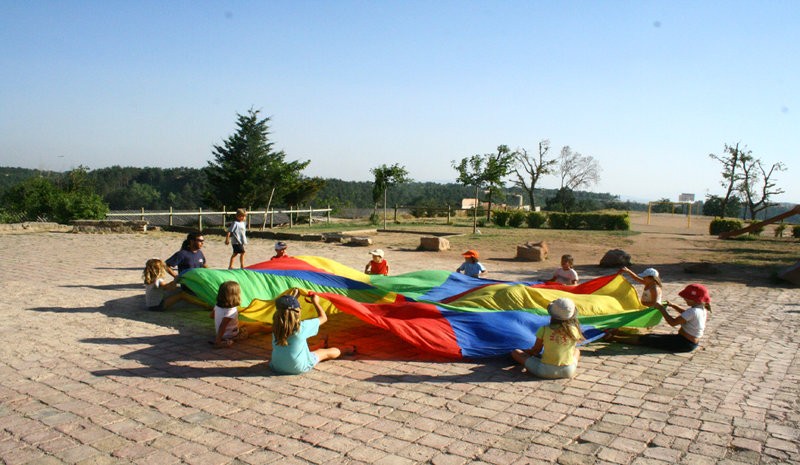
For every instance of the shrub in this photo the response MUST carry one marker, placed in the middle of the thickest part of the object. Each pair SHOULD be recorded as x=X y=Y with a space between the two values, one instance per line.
x=779 y=229
x=796 y=231
x=720 y=225
x=590 y=221
x=500 y=217
x=516 y=219
x=536 y=219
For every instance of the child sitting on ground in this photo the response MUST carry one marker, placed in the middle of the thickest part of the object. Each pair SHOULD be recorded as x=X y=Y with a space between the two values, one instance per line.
x=566 y=274
x=226 y=317
x=554 y=355
x=471 y=266
x=158 y=293
x=651 y=294
x=290 y=352
x=377 y=265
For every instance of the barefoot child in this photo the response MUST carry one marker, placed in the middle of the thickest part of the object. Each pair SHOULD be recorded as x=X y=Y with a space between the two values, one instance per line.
x=554 y=355
x=377 y=265
x=237 y=236
x=226 y=317
x=290 y=352
x=692 y=322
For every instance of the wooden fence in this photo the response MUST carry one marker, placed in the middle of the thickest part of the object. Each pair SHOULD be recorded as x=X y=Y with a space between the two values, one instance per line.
x=291 y=214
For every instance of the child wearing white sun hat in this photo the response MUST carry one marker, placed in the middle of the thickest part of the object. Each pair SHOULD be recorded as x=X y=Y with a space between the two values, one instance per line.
x=651 y=294
x=555 y=354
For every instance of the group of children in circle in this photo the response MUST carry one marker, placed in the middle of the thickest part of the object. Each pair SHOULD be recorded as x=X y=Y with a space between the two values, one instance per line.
x=555 y=352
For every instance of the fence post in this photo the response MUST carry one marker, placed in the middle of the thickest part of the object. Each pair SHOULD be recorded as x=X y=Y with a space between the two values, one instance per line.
x=291 y=223
x=310 y=214
x=395 y=213
x=224 y=211
x=170 y=216
x=271 y=218
x=329 y=214
x=142 y=213
x=448 y=213
x=200 y=219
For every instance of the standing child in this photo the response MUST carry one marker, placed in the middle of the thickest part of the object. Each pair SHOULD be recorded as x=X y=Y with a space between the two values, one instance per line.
x=156 y=285
x=558 y=340
x=651 y=294
x=226 y=316
x=237 y=236
x=290 y=352
x=471 y=266
x=566 y=274
x=377 y=265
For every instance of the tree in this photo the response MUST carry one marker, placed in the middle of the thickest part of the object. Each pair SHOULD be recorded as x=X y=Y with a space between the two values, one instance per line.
x=386 y=176
x=486 y=170
x=529 y=169
x=713 y=206
x=731 y=176
x=754 y=178
x=245 y=167
x=39 y=198
x=577 y=170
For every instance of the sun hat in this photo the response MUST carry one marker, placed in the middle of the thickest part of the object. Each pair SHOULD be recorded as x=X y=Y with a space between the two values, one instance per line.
x=280 y=245
x=470 y=253
x=378 y=252
x=653 y=273
x=562 y=309
x=286 y=302
x=697 y=293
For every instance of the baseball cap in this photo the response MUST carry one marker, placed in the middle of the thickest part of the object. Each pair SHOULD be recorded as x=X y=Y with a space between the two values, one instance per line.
x=286 y=302
x=280 y=245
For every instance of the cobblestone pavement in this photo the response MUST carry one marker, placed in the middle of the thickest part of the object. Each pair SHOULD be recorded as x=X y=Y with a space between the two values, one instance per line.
x=87 y=376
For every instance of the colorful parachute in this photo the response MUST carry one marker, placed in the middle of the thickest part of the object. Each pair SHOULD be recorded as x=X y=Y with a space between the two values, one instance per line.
x=438 y=311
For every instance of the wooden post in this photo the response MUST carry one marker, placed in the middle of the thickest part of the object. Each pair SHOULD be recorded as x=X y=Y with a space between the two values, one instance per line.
x=291 y=220
x=329 y=214
x=224 y=212
x=310 y=215
x=448 y=213
x=649 y=205
x=170 y=216
x=395 y=213
x=200 y=219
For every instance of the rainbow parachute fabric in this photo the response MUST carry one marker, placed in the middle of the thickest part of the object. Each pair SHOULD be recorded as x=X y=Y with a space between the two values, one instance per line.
x=441 y=312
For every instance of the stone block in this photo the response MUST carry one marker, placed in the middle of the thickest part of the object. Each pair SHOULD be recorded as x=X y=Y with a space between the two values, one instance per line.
x=532 y=251
x=360 y=242
x=434 y=244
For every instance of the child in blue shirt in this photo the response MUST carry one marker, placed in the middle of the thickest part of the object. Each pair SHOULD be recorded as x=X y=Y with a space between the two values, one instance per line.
x=471 y=266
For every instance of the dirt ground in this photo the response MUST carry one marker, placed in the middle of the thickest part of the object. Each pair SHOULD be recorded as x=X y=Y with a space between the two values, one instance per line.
x=669 y=243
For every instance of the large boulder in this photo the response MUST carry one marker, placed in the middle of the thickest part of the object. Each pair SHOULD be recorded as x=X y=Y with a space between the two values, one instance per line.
x=532 y=251
x=360 y=242
x=791 y=274
x=616 y=258
x=434 y=244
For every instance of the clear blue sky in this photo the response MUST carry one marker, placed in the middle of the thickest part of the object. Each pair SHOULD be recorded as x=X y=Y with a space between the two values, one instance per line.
x=648 y=88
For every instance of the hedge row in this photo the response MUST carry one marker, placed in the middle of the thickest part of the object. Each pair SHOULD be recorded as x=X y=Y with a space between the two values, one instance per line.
x=554 y=220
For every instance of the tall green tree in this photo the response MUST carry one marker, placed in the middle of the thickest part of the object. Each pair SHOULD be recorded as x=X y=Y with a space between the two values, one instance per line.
x=245 y=168
x=386 y=176
x=484 y=171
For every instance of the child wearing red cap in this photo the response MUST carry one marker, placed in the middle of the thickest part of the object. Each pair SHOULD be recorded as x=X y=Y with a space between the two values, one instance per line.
x=692 y=322
x=471 y=266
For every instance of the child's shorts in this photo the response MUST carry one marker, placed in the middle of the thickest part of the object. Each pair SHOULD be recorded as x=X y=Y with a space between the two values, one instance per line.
x=238 y=248
x=547 y=371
